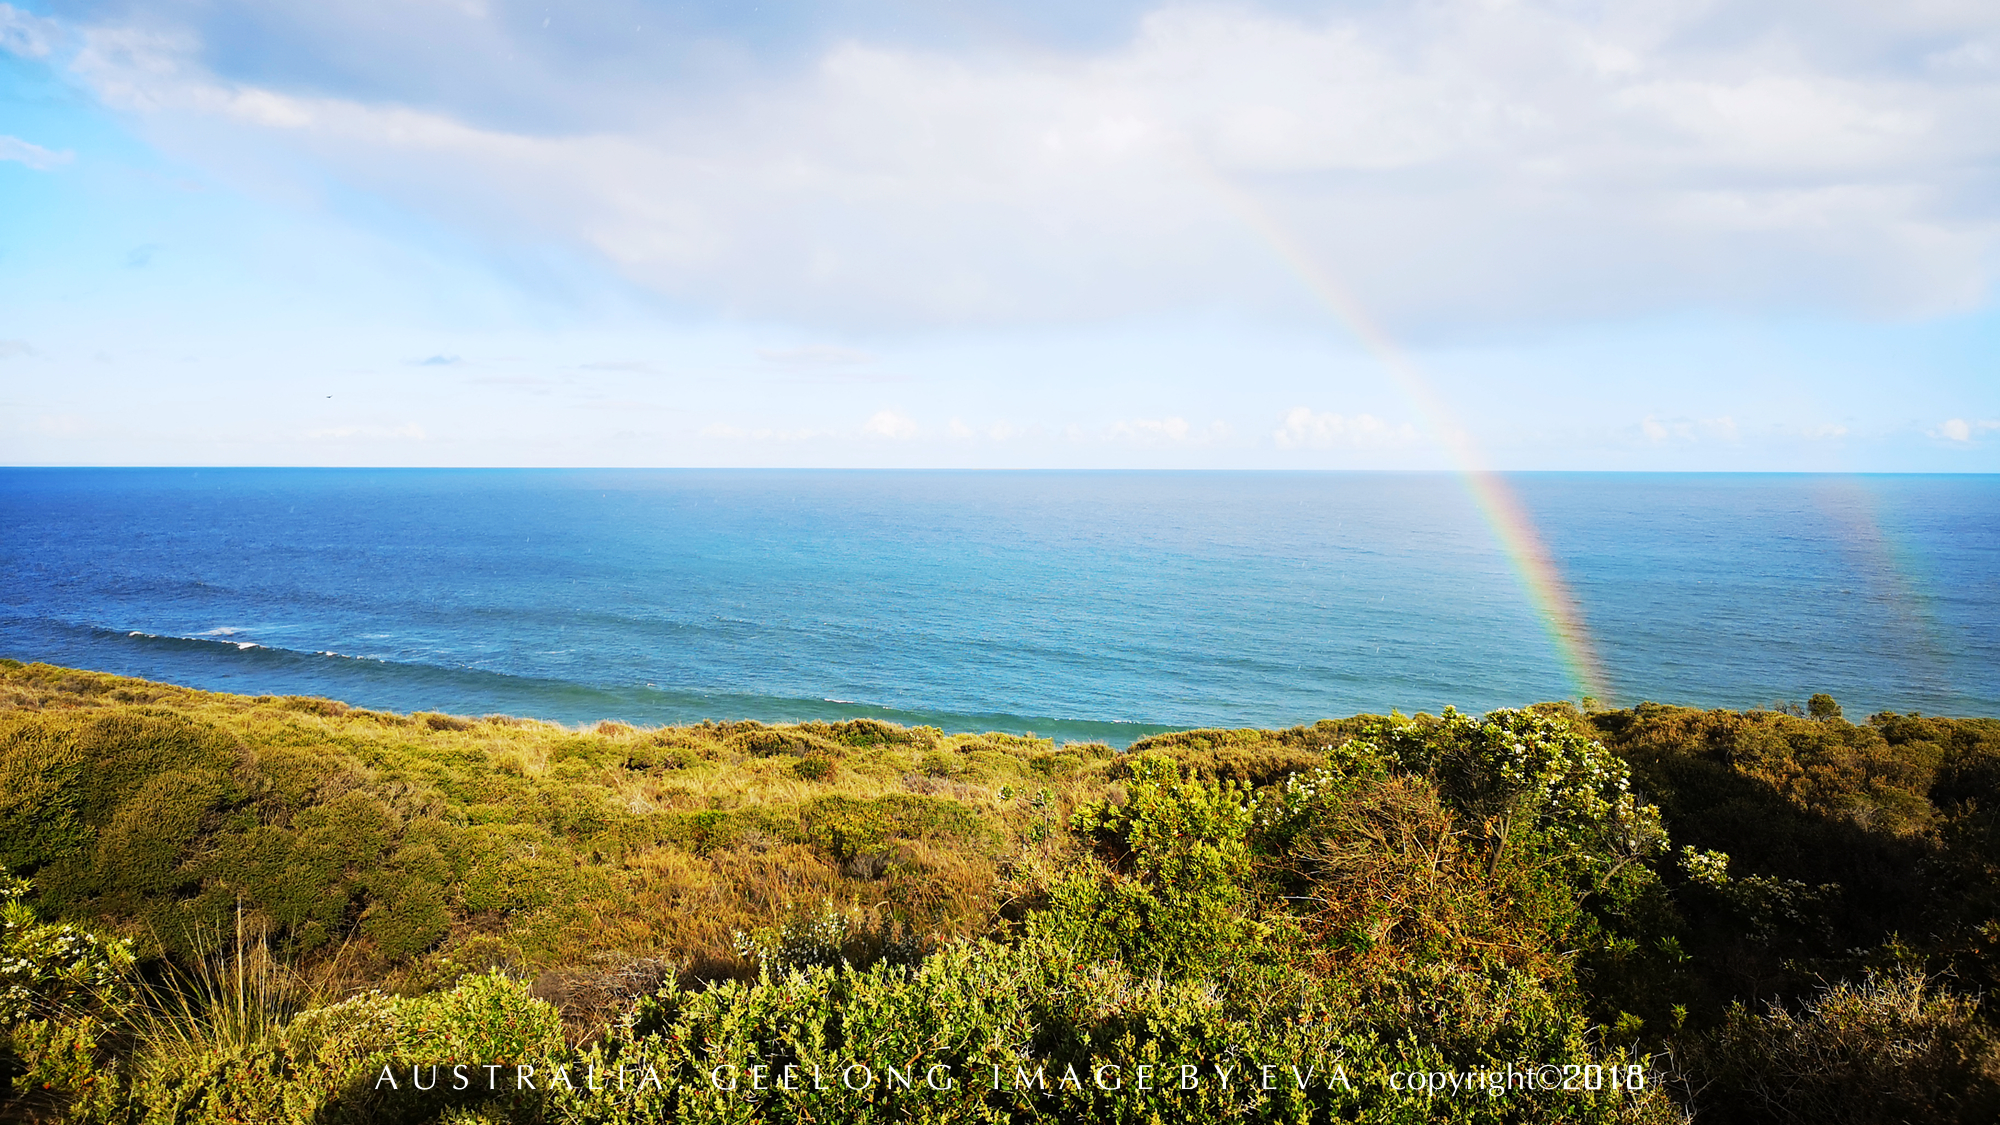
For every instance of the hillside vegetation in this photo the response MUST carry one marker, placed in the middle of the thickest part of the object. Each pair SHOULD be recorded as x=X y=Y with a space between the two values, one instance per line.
x=221 y=908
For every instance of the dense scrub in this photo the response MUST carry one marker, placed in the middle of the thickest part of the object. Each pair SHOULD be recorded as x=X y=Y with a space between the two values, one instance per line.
x=283 y=909
x=1816 y=849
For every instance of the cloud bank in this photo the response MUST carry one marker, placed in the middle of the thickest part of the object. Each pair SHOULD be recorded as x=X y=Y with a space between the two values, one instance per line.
x=1462 y=166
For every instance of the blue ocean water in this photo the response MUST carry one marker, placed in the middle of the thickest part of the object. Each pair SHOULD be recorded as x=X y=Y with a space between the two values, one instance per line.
x=1080 y=605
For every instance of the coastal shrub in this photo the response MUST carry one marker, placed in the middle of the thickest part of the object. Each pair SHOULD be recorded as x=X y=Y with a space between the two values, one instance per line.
x=64 y=777
x=987 y=1032
x=63 y=989
x=765 y=742
x=861 y=733
x=1885 y=1050
x=1875 y=776
x=1062 y=763
x=408 y=919
x=362 y=1060
x=1206 y=740
x=1172 y=895
x=826 y=937
x=145 y=845
x=1284 y=811
x=1254 y=757
x=1529 y=780
x=843 y=827
x=1383 y=876
x=1449 y=893
x=1842 y=837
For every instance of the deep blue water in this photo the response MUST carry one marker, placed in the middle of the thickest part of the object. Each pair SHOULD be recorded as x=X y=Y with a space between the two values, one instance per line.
x=1076 y=604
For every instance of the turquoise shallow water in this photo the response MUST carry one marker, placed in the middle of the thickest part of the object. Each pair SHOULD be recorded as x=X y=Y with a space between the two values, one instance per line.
x=1101 y=605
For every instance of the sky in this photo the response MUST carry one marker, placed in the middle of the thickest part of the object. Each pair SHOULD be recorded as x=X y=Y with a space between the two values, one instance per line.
x=1565 y=234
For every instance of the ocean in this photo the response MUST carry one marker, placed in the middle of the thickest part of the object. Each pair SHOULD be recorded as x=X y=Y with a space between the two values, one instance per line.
x=1077 y=605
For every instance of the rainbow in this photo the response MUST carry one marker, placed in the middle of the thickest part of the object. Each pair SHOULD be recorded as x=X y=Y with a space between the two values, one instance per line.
x=1893 y=570
x=1560 y=614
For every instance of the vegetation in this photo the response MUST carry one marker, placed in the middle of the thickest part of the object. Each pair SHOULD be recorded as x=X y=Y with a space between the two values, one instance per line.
x=219 y=908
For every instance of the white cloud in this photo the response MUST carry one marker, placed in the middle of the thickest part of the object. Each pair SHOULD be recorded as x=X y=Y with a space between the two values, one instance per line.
x=34 y=156
x=1458 y=164
x=1305 y=428
x=1962 y=431
x=889 y=424
x=11 y=348
x=24 y=34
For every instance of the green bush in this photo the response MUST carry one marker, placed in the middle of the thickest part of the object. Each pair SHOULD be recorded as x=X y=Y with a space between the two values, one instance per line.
x=1173 y=896
x=1367 y=897
x=1529 y=780
x=360 y=1061
x=1885 y=1051
x=63 y=990
x=1019 y=1033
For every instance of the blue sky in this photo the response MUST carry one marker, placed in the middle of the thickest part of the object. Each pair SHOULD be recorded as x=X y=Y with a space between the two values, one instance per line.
x=1636 y=235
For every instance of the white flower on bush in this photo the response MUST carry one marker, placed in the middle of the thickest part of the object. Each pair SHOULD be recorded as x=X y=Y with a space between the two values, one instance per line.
x=1515 y=770
x=47 y=968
